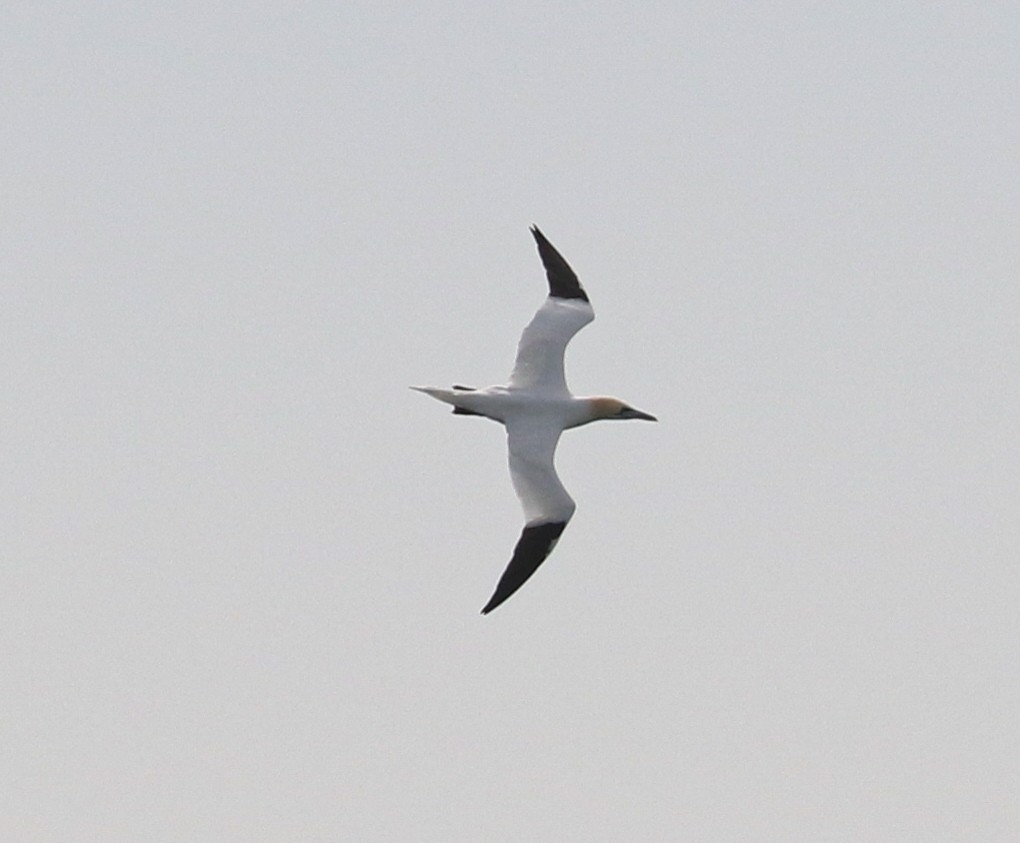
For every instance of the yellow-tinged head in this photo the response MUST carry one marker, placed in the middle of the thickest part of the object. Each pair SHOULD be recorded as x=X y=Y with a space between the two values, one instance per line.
x=604 y=407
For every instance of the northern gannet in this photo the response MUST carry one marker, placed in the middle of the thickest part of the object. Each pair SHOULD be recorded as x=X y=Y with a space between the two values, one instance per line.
x=536 y=406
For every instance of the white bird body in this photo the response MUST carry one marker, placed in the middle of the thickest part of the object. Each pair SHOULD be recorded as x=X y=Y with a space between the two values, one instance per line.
x=536 y=406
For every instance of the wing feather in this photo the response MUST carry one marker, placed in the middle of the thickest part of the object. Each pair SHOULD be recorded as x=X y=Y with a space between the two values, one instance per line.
x=534 y=545
x=539 y=363
x=547 y=505
x=563 y=281
x=531 y=446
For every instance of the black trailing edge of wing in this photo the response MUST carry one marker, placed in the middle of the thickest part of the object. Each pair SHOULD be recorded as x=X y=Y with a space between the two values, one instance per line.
x=563 y=283
x=534 y=545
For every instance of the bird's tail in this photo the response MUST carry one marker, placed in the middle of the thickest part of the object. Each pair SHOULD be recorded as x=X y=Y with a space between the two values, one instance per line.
x=444 y=395
x=449 y=396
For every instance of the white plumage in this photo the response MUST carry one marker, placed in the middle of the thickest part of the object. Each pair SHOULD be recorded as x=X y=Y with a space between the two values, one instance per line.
x=539 y=364
x=536 y=407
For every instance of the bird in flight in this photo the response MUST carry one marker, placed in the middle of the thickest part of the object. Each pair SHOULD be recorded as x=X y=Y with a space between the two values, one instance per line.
x=536 y=406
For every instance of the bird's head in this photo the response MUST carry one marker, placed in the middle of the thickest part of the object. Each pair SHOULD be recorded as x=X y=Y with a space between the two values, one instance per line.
x=614 y=408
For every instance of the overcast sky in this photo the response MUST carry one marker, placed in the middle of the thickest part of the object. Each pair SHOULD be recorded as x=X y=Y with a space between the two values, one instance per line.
x=241 y=565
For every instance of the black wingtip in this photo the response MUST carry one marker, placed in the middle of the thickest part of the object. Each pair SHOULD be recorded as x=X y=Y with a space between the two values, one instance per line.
x=497 y=599
x=563 y=282
x=534 y=545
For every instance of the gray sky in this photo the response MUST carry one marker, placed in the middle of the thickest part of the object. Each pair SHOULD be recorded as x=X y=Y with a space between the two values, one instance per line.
x=242 y=564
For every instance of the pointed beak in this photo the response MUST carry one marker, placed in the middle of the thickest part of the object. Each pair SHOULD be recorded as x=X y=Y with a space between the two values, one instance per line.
x=631 y=413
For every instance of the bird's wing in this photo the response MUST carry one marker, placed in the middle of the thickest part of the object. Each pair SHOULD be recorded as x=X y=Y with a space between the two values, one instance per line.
x=547 y=505
x=539 y=364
